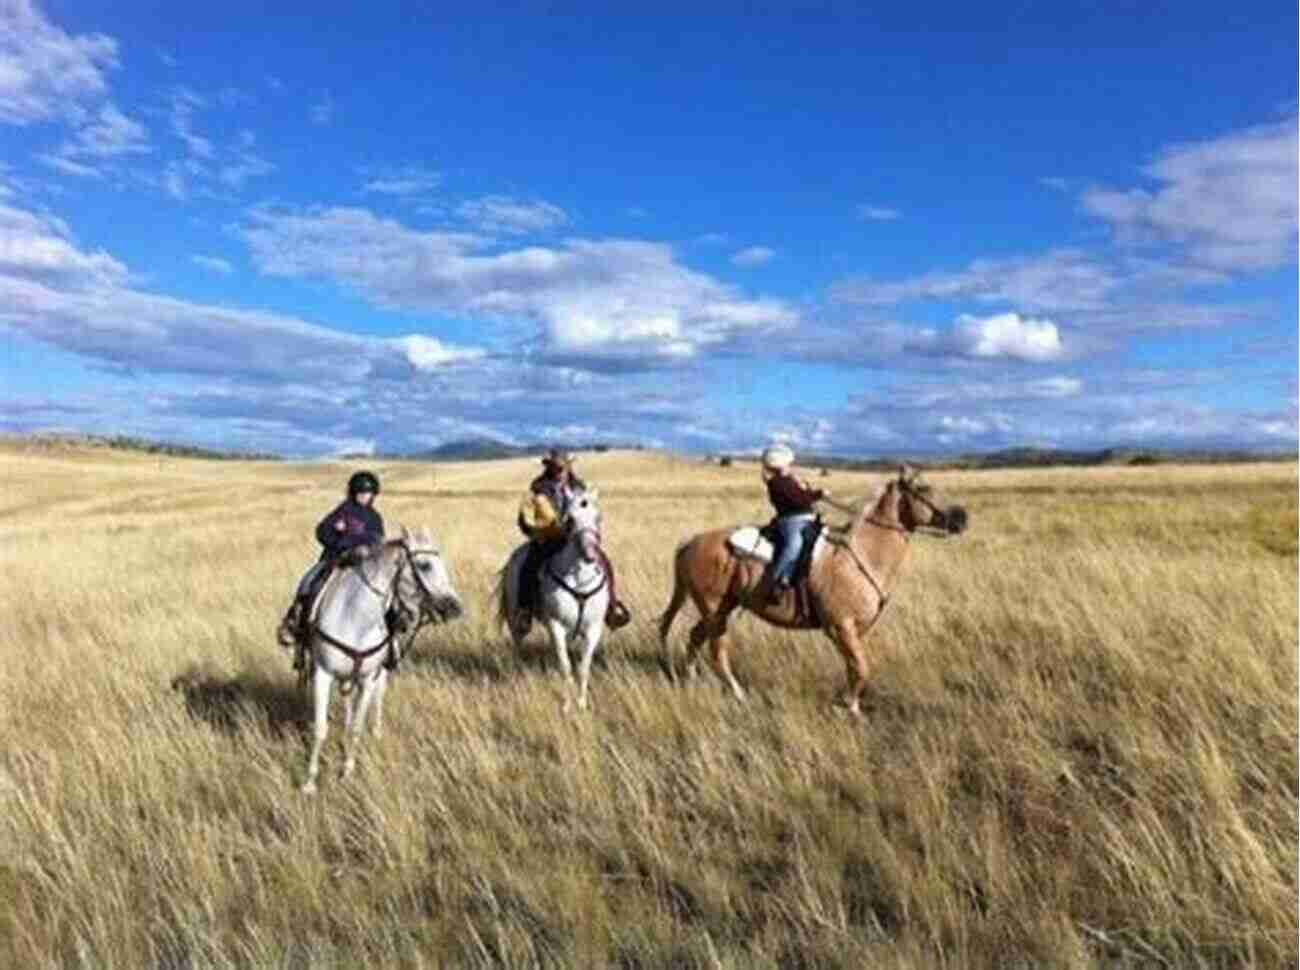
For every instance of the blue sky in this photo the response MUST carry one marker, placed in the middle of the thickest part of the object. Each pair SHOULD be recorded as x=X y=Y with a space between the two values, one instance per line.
x=939 y=229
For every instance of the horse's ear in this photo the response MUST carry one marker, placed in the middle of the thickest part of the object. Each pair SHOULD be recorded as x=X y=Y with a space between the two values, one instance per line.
x=904 y=473
x=405 y=533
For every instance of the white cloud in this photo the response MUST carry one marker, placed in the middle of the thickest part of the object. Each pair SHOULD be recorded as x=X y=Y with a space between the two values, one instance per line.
x=68 y=167
x=1230 y=201
x=214 y=263
x=430 y=353
x=45 y=72
x=753 y=256
x=111 y=133
x=502 y=214
x=592 y=300
x=52 y=290
x=184 y=105
x=38 y=249
x=405 y=181
x=877 y=213
x=1059 y=279
x=1008 y=335
x=246 y=165
x=322 y=112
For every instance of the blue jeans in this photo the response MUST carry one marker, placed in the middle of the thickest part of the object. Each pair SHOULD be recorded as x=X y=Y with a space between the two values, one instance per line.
x=791 y=528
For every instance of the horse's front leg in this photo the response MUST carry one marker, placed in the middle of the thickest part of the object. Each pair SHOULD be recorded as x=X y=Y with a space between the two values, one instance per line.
x=370 y=689
x=590 y=640
x=321 y=680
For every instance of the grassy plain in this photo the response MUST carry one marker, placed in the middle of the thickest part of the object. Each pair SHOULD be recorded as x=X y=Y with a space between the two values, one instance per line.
x=1080 y=747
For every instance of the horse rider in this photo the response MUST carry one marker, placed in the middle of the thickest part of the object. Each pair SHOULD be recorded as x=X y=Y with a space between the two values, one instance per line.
x=347 y=535
x=540 y=516
x=794 y=501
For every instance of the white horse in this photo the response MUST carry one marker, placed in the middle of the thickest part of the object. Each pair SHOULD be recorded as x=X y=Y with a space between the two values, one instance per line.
x=349 y=636
x=573 y=596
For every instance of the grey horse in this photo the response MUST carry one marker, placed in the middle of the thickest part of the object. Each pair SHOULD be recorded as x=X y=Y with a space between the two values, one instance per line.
x=349 y=633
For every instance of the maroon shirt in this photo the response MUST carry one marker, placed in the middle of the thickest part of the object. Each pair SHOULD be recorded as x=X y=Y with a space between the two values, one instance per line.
x=789 y=497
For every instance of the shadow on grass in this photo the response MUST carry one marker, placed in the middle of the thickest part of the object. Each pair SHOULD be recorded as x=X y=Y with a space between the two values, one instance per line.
x=231 y=704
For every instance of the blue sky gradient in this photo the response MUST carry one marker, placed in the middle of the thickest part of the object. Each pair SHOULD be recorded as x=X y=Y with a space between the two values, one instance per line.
x=911 y=230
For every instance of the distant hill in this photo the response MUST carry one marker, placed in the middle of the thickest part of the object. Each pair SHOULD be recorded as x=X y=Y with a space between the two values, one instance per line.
x=1030 y=457
x=59 y=441
x=487 y=449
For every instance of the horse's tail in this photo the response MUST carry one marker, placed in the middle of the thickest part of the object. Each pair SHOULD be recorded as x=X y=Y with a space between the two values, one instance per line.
x=680 y=588
x=502 y=596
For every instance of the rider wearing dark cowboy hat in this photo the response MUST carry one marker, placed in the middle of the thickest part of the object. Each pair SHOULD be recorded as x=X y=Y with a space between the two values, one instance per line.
x=540 y=515
x=346 y=535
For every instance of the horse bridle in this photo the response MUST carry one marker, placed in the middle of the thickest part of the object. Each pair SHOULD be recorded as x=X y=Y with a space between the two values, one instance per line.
x=426 y=597
x=578 y=595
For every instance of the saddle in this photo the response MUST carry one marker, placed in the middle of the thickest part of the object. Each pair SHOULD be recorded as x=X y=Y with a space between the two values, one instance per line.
x=762 y=544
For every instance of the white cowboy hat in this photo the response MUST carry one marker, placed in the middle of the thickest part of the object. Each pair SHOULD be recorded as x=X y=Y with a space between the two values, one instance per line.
x=777 y=457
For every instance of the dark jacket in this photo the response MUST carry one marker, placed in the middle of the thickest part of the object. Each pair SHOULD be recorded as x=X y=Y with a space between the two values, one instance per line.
x=350 y=525
x=789 y=497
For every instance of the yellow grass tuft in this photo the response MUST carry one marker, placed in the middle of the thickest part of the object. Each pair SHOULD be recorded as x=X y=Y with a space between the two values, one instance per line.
x=1080 y=747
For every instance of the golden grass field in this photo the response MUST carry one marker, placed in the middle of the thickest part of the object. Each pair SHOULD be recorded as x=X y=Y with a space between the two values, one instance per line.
x=1079 y=748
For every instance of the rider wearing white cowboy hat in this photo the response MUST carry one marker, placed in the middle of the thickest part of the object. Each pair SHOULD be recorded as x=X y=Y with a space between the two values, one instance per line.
x=794 y=502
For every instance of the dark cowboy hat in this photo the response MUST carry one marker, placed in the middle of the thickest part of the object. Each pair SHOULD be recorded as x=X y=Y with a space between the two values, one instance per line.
x=558 y=458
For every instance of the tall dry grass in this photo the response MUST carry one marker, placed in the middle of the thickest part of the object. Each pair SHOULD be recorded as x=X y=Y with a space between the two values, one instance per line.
x=1080 y=748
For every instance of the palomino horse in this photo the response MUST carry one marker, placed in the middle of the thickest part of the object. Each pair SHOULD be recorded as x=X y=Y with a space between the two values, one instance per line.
x=349 y=634
x=849 y=581
x=574 y=593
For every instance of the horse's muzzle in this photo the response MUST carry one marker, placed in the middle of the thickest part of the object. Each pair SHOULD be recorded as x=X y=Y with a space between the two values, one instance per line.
x=449 y=608
x=954 y=519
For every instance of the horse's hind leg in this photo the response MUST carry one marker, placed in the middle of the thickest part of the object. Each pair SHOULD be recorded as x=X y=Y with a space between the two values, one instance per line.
x=719 y=656
x=320 y=689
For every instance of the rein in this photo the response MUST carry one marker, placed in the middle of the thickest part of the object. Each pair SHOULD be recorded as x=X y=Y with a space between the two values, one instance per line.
x=360 y=654
x=578 y=595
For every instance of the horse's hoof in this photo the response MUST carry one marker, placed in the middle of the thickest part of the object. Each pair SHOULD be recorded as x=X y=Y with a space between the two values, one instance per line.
x=308 y=788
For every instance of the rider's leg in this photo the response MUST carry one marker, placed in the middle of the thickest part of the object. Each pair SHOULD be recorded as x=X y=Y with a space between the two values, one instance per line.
x=791 y=528
x=617 y=613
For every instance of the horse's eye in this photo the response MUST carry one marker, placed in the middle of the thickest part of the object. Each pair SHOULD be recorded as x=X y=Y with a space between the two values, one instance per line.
x=424 y=567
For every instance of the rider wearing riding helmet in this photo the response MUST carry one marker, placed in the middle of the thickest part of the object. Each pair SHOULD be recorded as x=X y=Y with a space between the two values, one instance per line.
x=794 y=502
x=346 y=535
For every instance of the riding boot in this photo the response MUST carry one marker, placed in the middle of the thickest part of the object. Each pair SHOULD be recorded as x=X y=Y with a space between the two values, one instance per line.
x=289 y=631
x=617 y=614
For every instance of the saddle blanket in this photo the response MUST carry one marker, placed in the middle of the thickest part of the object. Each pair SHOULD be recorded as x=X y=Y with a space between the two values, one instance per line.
x=750 y=542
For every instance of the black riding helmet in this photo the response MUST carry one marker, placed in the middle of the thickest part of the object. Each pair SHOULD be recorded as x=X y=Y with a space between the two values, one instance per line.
x=363 y=482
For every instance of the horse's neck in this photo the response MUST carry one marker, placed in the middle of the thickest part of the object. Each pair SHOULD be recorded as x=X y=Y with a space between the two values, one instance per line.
x=572 y=568
x=877 y=534
x=361 y=593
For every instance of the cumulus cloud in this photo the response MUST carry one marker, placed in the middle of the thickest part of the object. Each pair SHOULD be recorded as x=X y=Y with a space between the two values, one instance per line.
x=1229 y=201
x=596 y=302
x=46 y=72
x=502 y=214
x=753 y=256
x=431 y=354
x=1007 y=335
